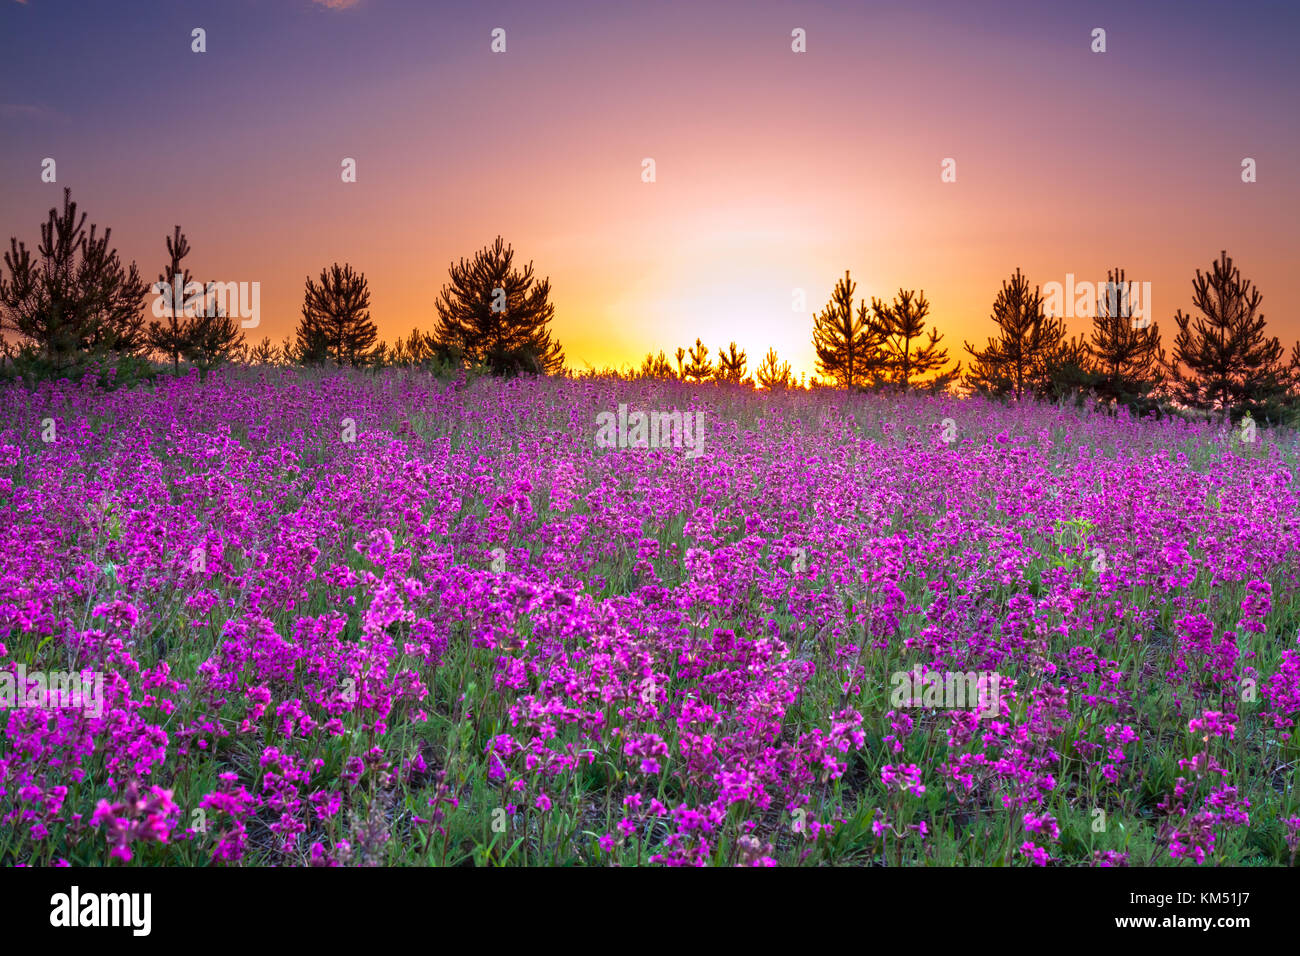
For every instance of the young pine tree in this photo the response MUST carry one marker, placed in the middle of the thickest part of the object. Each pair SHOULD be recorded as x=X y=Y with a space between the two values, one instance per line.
x=1222 y=359
x=299 y=351
x=901 y=327
x=168 y=335
x=264 y=353
x=1028 y=340
x=1124 y=353
x=496 y=314
x=773 y=373
x=846 y=341
x=76 y=300
x=656 y=366
x=1065 y=371
x=731 y=365
x=410 y=351
x=336 y=319
x=211 y=336
x=699 y=368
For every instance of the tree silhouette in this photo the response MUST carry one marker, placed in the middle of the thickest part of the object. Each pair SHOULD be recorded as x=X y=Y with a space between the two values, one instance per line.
x=900 y=326
x=731 y=365
x=420 y=347
x=1124 y=354
x=1021 y=356
x=773 y=373
x=336 y=319
x=656 y=366
x=76 y=298
x=498 y=315
x=264 y=353
x=168 y=336
x=1065 y=370
x=306 y=347
x=847 y=343
x=416 y=349
x=699 y=368
x=1293 y=371
x=211 y=336
x=680 y=356
x=397 y=355
x=1221 y=358
x=196 y=326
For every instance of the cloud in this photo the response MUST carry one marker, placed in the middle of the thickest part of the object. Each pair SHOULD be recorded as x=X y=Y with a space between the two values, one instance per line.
x=332 y=4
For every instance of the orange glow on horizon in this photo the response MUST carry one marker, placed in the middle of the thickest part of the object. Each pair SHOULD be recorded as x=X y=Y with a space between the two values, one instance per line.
x=775 y=171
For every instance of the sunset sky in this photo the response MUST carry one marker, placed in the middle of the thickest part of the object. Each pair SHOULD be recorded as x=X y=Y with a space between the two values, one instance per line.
x=775 y=170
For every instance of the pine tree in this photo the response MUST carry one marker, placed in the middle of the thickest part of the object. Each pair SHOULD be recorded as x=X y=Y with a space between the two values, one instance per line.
x=847 y=343
x=398 y=356
x=1293 y=373
x=264 y=353
x=420 y=345
x=1019 y=359
x=899 y=325
x=336 y=320
x=211 y=337
x=731 y=365
x=699 y=368
x=410 y=351
x=309 y=346
x=680 y=356
x=1066 y=371
x=656 y=366
x=76 y=300
x=1221 y=358
x=498 y=315
x=168 y=336
x=1124 y=353
x=773 y=373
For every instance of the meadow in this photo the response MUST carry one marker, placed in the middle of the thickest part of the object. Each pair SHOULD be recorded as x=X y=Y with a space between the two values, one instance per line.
x=352 y=618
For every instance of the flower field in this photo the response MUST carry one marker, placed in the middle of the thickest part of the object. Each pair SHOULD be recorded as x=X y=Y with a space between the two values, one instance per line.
x=342 y=619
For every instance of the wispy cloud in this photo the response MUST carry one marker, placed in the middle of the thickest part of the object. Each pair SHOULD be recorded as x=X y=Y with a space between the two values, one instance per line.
x=332 y=4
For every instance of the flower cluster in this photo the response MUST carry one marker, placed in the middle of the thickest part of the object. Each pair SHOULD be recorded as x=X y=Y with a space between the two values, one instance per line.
x=460 y=630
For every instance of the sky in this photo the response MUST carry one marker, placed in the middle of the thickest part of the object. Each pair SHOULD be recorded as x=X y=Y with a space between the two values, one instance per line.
x=775 y=170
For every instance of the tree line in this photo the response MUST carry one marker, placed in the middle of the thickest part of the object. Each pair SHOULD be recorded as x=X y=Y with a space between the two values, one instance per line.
x=1222 y=358
x=884 y=344
x=71 y=304
x=732 y=367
